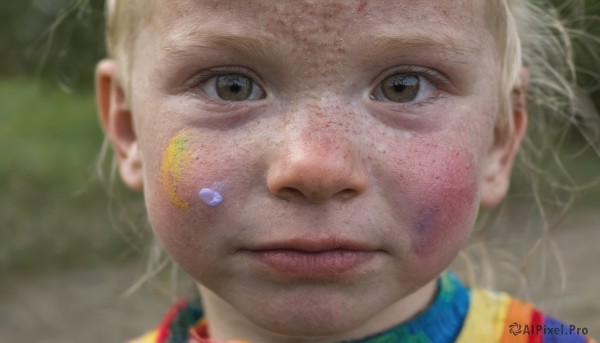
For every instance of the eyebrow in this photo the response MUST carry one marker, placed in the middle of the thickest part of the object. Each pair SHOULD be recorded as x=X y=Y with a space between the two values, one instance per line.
x=268 y=48
x=441 y=42
x=259 y=47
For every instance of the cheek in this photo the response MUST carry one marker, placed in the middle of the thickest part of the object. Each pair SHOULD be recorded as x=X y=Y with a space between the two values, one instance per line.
x=443 y=221
x=438 y=199
x=188 y=190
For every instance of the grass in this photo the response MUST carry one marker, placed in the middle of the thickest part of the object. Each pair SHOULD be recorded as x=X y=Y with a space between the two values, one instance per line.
x=53 y=210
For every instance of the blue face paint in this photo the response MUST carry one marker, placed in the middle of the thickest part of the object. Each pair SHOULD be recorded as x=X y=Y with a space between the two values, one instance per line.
x=211 y=196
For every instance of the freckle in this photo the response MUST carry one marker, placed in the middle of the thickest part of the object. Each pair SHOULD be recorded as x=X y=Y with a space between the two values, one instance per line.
x=361 y=6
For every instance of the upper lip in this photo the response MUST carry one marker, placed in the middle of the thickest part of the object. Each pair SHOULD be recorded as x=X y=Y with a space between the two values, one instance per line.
x=314 y=245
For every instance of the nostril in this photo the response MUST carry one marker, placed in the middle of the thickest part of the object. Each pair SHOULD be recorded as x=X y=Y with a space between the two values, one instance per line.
x=288 y=193
x=347 y=194
x=291 y=193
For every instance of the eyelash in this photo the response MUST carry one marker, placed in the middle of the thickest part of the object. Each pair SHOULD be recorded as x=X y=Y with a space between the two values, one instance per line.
x=201 y=79
x=437 y=80
x=416 y=106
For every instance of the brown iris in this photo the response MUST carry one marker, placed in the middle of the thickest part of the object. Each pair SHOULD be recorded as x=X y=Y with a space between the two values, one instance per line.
x=401 y=88
x=234 y=87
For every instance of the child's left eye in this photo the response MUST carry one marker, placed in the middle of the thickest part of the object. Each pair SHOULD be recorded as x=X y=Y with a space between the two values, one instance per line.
x=403 y=88
x=232 y=87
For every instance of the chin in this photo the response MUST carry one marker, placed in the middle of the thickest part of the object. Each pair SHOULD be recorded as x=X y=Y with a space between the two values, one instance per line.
x=310 y=323
x=316 y=312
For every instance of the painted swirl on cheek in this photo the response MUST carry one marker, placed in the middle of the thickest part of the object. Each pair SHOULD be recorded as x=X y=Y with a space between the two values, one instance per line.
x=175 y=159
x=210 y=197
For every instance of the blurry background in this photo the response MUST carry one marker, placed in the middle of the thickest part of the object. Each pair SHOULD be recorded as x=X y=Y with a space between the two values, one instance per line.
x=63 y=264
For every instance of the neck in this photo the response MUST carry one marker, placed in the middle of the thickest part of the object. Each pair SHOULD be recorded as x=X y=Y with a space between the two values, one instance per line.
x=228 y=324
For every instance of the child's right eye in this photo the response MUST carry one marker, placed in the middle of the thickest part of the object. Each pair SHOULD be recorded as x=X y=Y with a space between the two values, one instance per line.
x=403 y=88
x=232 y=87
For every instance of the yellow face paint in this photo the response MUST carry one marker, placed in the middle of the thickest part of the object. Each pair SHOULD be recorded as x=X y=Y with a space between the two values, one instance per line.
x=175 y=160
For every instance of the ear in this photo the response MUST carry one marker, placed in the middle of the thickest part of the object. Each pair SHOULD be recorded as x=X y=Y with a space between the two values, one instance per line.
x=117 y=122
x=500 y=157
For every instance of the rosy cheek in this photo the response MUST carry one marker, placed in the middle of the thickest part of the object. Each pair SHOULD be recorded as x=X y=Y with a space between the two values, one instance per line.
x=443 y=224
x=191 y=189
x=441 y=193
x=185 y=179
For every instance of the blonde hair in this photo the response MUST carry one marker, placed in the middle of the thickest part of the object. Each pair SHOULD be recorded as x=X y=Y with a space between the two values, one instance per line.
x=541 y=38
x=124 y=19
x=528 y=33
x=502 y=24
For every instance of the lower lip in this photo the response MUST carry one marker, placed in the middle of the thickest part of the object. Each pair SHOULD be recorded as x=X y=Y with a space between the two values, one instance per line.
x=328 y=264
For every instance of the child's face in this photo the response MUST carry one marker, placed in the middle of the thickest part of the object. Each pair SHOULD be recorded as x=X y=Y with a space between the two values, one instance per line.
x=361 y=126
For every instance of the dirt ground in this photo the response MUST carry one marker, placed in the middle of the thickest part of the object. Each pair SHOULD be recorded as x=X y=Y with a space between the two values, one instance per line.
x=88 y=306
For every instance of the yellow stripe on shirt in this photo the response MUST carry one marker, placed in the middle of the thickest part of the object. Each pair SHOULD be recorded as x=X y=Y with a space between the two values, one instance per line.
x=486 y=317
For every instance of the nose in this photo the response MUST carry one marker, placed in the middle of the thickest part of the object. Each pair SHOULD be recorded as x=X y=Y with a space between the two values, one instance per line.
x=316 y=166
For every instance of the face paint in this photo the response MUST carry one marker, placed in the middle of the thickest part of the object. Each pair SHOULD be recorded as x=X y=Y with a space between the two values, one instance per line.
x=427 y=225
x=212 y=196
x=174 y=161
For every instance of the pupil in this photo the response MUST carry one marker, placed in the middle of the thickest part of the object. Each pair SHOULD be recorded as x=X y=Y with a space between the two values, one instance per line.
x=399 y=87
x=402 y=83
x=235 y=88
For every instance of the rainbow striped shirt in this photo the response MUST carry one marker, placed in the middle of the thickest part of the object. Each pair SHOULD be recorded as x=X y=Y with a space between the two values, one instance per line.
x=458 y=314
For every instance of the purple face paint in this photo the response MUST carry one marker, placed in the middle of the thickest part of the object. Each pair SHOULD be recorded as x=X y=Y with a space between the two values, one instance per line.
x=212 y=196
x=426 y=225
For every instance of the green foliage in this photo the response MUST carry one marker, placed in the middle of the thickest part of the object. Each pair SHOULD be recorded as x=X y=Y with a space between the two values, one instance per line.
x=59 y=40
x=53 y=210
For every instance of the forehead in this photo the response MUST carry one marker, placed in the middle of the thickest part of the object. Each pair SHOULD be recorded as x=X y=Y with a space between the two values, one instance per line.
x=323 y=22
